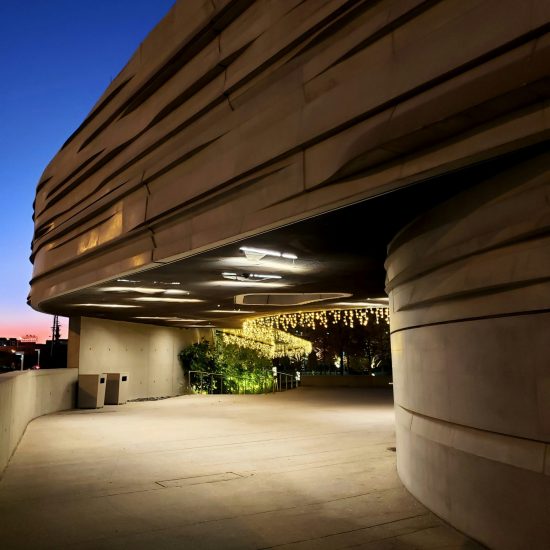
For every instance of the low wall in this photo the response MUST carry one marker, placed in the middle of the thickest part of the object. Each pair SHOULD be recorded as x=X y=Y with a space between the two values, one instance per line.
x=26 y=395
x=352 y=381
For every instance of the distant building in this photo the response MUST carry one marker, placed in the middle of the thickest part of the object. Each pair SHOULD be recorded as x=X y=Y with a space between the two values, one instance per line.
x=8 y=341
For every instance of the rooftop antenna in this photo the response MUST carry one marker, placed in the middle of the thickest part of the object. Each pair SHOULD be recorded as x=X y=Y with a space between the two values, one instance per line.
x=56 y=334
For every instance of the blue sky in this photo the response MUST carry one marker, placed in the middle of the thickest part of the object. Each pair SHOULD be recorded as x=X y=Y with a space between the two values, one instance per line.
x=56 y=58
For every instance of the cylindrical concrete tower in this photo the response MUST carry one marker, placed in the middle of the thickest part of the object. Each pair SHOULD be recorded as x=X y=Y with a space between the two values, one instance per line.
x=469 y=286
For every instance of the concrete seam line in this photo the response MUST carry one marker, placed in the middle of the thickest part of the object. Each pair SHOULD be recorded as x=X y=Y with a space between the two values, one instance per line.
x=527 y=454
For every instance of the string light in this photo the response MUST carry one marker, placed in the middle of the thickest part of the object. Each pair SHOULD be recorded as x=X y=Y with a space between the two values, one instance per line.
x=270 y=336
x=267 y=341
x=323 y=318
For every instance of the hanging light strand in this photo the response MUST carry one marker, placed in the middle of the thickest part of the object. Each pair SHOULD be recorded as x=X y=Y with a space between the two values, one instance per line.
x=323 y=318
x=267 y=341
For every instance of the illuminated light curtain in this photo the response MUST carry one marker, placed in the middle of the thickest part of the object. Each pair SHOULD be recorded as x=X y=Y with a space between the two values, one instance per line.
x=314 y=319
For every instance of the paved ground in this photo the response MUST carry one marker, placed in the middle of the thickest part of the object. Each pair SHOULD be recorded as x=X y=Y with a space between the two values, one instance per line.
x=305 y=469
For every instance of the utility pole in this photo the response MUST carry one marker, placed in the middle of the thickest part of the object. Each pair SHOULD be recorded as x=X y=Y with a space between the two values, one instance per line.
x=56 y=334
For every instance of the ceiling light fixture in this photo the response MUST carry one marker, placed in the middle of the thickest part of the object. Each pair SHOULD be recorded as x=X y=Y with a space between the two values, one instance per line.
x=138 y=289
x=272 y=265
x=105 y=305
x=143 y=290
x=162 y=299
x=172 y=319
x=246 y=283
x=258 y=253
x=248 y=276
x=239 y=311
x=368 y=303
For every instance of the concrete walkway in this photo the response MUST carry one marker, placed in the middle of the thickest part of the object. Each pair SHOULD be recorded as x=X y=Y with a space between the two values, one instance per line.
x=305 y=469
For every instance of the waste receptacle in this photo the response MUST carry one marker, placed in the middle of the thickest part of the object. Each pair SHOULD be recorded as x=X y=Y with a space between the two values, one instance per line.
x=117 y=388
x=91 y=390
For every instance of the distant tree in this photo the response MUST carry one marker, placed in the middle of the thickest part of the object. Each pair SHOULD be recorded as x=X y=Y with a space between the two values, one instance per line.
x=360 y=348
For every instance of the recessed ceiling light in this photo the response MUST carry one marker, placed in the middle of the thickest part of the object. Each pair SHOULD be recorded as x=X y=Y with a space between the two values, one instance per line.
x=138 y=289
x=287 y=298
x=228 y=311
x=274 y=265
x=162 y=299
x=262 y=284
x=143 y=290
x=171 y=319
x=249 y=276
x=360 y=304
x=258 y=253
x=106 y=305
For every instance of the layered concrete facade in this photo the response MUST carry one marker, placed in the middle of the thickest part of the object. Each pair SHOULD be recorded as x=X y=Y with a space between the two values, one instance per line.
x=239 y=117
x=235 y=117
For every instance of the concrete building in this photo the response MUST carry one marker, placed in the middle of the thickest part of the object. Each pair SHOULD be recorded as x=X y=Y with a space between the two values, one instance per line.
x=350 y=148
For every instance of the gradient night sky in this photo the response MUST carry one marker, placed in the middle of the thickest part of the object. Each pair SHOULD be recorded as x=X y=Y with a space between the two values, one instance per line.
x=56 y=58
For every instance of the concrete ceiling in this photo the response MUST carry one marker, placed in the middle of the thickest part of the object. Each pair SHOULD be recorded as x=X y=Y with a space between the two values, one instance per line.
x=339 y=252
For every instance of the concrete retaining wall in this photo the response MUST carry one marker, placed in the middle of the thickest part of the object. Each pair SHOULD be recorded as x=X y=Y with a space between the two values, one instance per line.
x=26 y=395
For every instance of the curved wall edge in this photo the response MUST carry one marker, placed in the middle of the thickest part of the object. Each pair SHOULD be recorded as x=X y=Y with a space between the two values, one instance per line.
x=470 y=351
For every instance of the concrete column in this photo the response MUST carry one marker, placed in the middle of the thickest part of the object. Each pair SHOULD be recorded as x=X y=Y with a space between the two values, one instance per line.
x=469 y=286
x=73 y=346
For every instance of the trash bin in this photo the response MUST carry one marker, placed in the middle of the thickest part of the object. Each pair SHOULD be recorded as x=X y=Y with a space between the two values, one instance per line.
x=117 y=388
x=91 y=390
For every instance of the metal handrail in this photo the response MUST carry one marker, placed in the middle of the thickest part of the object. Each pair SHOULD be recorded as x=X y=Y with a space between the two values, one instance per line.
x=269 y=382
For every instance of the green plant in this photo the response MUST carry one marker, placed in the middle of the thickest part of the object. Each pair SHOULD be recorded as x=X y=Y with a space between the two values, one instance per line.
x=229 y=368
x=199 y=356
x=244 y=369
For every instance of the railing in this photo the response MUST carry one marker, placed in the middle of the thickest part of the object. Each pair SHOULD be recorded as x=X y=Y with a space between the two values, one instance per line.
x=217 y=383
x=338 y=372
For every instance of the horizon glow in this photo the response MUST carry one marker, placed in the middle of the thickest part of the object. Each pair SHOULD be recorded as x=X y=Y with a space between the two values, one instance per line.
x=57 y=59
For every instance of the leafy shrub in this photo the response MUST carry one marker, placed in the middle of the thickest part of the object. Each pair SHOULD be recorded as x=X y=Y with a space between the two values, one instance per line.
x=230 y=368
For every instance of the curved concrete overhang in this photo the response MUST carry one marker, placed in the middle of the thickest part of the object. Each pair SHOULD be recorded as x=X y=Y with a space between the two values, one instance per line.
x=237 y=117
